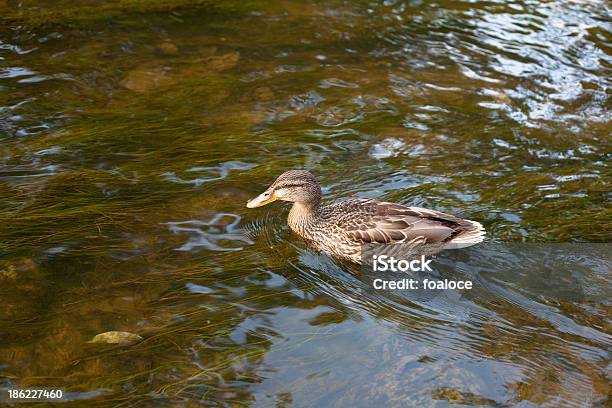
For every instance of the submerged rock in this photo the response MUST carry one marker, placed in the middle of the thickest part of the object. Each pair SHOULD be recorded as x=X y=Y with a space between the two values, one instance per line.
x=263 y=93
x=116 y=337
x=223 y=62
x=145 y=79
x=14 y=268
x=168 y=48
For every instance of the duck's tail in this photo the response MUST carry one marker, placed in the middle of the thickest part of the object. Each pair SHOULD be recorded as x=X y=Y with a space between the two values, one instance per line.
x=472 y=234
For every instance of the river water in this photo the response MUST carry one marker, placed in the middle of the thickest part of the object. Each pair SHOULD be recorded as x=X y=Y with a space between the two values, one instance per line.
x=132 y=133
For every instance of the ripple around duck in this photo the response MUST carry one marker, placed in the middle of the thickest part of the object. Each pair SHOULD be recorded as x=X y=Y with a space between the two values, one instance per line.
x=462 y=325
x=270 y=227
x=215 y=234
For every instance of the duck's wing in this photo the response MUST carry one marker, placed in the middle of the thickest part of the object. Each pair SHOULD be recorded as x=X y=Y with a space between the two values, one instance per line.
x=371 y=221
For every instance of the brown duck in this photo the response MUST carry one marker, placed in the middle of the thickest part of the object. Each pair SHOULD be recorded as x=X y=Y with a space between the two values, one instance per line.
x=343 y=227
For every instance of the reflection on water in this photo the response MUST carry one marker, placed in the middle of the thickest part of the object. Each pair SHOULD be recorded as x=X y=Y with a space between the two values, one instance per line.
x=133 y=133
x=209 y=234
x=217 y=173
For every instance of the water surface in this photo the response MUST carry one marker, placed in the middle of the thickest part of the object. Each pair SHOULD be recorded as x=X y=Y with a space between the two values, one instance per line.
x=132 y=134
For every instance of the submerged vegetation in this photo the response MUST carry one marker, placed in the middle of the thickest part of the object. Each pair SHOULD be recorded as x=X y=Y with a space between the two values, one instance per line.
x=81 y=14
x=134 y=131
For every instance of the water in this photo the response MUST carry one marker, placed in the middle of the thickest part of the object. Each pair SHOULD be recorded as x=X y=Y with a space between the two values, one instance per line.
x=133 y=133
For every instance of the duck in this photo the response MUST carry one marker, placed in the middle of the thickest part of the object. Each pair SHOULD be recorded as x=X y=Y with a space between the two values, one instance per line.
x=342 y=228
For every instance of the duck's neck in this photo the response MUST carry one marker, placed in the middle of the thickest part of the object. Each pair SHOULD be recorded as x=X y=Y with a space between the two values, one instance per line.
x=303 y=216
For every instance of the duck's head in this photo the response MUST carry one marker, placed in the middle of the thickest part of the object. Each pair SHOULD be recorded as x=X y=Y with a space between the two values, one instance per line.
x=298 y=186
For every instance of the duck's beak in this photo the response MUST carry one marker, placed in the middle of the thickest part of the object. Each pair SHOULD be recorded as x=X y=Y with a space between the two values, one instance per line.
x=264 y=198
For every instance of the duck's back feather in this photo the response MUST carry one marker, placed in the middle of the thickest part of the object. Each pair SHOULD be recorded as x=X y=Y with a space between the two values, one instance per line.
x=367 y=221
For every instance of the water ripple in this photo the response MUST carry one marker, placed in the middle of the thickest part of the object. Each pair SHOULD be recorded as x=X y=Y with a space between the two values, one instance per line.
x=220 y=233
x=211 y=173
